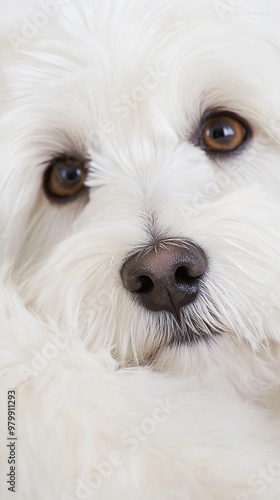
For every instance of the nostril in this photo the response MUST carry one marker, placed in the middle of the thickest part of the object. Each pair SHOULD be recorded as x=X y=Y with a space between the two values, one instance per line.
x=182 y=276
x=146 y=285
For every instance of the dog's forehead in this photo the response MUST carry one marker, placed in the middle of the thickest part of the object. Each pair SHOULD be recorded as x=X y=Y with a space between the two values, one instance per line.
x=118 y=40
x=113 y=43
x=102 y=65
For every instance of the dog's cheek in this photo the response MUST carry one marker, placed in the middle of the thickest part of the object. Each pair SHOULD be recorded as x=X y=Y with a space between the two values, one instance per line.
x=244 y=272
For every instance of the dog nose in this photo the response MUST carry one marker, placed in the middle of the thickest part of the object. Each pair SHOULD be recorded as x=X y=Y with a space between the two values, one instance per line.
x=166 y=278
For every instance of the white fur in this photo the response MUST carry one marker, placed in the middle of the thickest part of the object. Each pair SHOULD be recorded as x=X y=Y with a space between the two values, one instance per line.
x=66 y=89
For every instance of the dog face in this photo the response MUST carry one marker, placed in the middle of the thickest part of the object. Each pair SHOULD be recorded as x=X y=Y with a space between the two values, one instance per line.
x=140 y=189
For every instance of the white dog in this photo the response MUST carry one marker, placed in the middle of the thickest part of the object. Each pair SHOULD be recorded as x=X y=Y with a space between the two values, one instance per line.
x=140 y=201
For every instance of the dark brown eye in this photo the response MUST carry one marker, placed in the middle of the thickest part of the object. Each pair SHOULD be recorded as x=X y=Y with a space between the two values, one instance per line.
x=223 y=133
x=65 y=177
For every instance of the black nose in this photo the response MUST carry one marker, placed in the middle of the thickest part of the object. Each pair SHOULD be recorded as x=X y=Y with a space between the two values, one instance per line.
x=167 y=277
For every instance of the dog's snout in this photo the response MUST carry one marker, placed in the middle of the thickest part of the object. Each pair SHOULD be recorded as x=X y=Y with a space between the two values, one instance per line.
x=165 y=278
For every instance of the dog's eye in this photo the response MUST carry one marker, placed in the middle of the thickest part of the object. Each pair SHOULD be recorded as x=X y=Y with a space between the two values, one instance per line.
x=65 y=177
x=223 y=133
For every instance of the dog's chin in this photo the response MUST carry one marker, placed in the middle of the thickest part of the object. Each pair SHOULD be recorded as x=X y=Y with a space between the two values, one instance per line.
x=171 y=335
x=191 y=328
x=185 y=336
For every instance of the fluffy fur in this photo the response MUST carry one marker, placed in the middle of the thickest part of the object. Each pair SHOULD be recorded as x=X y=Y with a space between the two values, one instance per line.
x=125 y=84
